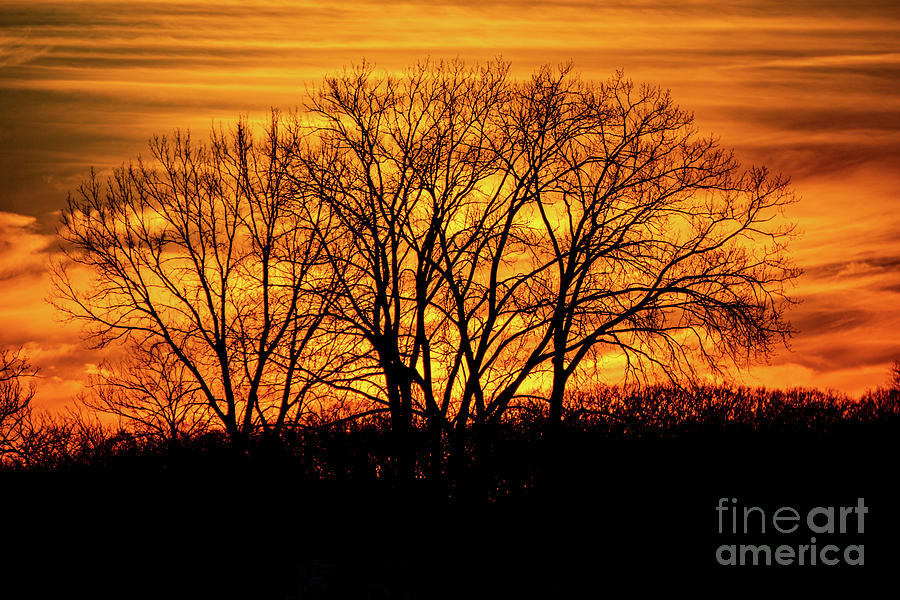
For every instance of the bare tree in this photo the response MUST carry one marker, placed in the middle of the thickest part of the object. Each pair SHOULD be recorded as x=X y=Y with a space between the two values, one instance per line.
x=152 y=393
x=441 y=244
x=16 y=393
x=655 y=246
x=494 y=238
x=201 y=253
x=46 y=440
x=400 y=163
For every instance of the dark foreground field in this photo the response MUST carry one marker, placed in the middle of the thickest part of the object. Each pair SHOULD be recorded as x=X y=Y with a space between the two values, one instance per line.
x=607 y=513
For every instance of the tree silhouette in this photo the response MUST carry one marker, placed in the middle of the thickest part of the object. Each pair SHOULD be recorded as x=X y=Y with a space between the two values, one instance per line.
x=15 y=397
x=151 y=392
x=439 y=246
x=495 y=237
x=398 y=164
x=895 y=375
x=48 y=440
x=653 y=244
x=202 y=252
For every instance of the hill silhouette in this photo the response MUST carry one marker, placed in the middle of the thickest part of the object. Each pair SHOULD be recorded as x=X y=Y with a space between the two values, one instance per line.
x=626 y=494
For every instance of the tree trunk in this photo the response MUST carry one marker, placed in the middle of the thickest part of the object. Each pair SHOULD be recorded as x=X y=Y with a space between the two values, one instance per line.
x=557 y=393
x=437 y=449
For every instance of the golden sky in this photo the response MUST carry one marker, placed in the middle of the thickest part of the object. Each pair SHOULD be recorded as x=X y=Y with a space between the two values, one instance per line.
x=809 y=87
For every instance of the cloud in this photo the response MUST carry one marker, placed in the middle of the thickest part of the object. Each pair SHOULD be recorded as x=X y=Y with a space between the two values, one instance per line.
x=23 y=251
x=889 y=287
x=812 y=158
x=863 y=266
x=17 y=50
x=831 y=319
x=27 y=321
x=850 y=381
x=844 y=329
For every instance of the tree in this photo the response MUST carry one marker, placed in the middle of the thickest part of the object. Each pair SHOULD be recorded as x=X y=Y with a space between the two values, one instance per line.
x=440 y=244
x=16 y=395
x=653 y=244
x=203 y=253
x=398 y=163
x=493 y=238
x=52 y=440
x=151 y=392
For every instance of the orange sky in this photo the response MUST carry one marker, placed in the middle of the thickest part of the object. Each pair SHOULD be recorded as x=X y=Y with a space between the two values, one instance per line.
x=810 y=88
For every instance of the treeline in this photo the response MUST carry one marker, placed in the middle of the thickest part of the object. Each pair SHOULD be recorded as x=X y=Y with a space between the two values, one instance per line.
x=359 y=449
x=626 y=469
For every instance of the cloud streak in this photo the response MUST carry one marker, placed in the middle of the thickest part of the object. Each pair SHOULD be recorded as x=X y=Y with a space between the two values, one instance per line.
x=17 y=50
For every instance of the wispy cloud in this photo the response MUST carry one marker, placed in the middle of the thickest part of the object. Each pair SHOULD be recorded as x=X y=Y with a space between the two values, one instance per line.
x=22 y=248
x=27 y=320
x=17 y=50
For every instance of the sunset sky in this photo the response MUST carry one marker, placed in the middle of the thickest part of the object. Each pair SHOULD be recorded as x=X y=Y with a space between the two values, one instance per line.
x=809 y=88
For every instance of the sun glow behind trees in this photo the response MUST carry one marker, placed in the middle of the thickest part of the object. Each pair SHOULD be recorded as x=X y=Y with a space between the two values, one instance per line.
x=793 y=86
x=436 y=245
